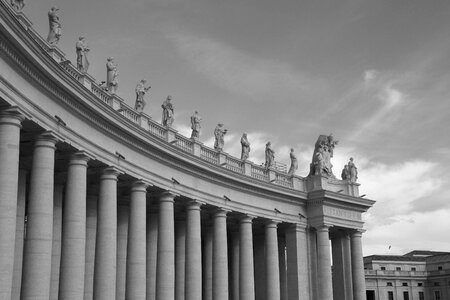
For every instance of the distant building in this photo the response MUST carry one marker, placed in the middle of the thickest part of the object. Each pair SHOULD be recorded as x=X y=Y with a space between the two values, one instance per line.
x=417 y=275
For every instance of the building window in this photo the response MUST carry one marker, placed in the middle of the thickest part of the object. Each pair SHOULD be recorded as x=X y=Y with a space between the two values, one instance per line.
x=383 y=268
x=440 y=268
x=420 y=284
x=398 y=268
x=405 y=296
x=437 y=295
x=390 y=295
x=436 y=284
x=421 y=296
x=413 y=269
x=389 y=283
x=404 y=284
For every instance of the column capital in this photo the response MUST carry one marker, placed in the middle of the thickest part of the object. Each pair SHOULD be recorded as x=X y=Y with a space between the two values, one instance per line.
x=297 y=228
x=80 y=158
x=47 y=139
x=357 y=232
x=12 y=115
x=140 y=185
x=110 y=173
x=220 y=212
x=269 y=223
x=167 y=196
x=194 y=204
x=323 y=227
x=246 y=218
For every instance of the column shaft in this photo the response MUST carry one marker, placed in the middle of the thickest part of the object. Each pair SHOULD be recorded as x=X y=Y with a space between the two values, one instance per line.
x=325 y=289
x=207 y=264
x=348 y=266
x=283 y=273
x=39 y=237
x=193 y=281
x=246 y=268
x=58 y=195
x=235 y=266
x=73 y=251
x=165 y=277
x=20 y=235
x=106 y=237
x=136 y=254
x=180 y=258
x=359 y=285
x=220 y=257
x=297 y=263
x=152 y=252
x=91 y=232
x=9 y=172
x=123 y=212
x=272 y=266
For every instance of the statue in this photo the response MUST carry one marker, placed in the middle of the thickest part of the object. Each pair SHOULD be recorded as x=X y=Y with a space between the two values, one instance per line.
x=54 y=32
x=17 y=4
x=111 y=75
x=141 y=89
x=353 y=171
x=345 y=175
x=270 y=156
x=245 y=147
x=195 y=125
x=82 y=50
x=294 y=163
x=167 y=114
x=219 y=133
x=321 y=160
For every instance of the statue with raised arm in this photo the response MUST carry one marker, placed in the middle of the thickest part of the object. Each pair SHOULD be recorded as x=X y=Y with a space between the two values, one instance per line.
x=82 y=50
x=245 y=153
x=353 y=170
x=195 y=125
x=17 y=4
x=321 y=160
x=294 y=163
x=54 y=33
x=111 y=75
x=219 y=134
x=270 y=156
x=141 y=89
x=167 y=114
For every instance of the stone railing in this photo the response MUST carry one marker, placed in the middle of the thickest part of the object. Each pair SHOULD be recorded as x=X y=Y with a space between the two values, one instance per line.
x=276 y=175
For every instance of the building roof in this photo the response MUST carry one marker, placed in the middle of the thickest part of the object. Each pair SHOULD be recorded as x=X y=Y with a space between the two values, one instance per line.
x=424 y=253
x=416 y=255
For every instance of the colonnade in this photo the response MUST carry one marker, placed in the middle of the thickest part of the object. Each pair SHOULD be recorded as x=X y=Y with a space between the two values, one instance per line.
x=73 y=241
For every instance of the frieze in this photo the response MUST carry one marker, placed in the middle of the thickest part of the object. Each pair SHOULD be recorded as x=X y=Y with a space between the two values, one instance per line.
x=341 y=213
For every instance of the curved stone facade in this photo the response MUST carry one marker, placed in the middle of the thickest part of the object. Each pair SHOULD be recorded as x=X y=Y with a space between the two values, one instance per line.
x=98 y=201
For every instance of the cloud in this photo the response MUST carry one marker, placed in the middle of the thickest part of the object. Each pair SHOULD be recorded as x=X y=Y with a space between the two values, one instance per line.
x=239 y=72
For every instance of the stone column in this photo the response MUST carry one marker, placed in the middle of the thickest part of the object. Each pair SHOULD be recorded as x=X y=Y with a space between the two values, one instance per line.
x=91 y=232
x=207 y=263
x=37 y=262
x=165 y=270
x=123 y=213
x=246 y=268
x=297 y=263
x=20 y=234
x=73 y=251
x=193 y=271
x=312 y=266
x=283 y=273
x=259 y=263
x=359 y=284
x=136 y=253
x=341 y=267
x=272 y=267
x=235 y=266
x=348 y=265
x=106 y=237
x=180 y=257
x=152 y=250
x=325 y=289
x=220 y=256
x=10 y=124
x=58 y=194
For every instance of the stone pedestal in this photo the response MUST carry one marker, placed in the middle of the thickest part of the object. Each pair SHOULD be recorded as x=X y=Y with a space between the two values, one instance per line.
x=37 y=261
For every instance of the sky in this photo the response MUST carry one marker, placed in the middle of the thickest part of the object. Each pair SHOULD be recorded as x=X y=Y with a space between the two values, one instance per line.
x=376 y=74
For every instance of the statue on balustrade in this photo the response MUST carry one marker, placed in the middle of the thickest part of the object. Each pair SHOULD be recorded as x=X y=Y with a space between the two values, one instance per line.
x=141 y=89
x=195 y=125
x=321 y=160
x=294 y=163
x=245 y=153
x=54 y=33
x=111 y=75
x=82 y=50
x=219 y=134
x=353 y=170
x=270 y=156
x=167 y=114
x=17 y=4
x=345 y=175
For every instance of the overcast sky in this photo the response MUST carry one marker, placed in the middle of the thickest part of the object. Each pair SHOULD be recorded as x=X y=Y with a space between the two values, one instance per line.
x=376 y=74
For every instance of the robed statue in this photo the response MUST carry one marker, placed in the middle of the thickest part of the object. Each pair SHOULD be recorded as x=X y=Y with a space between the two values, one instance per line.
x=245 y=144
x=321 y=160
x=219 y=134
x=111 y=75
x=141 y=89
x=195 y=125
x=270 y=156
x=294 y=163
x=82 y=50
x=168 y=112
x=54 y=32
